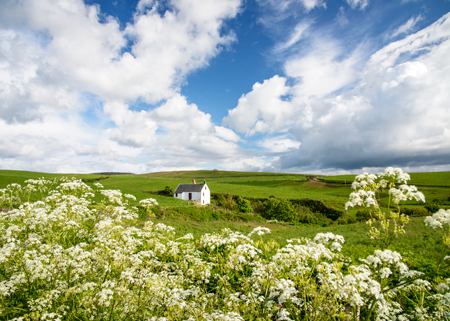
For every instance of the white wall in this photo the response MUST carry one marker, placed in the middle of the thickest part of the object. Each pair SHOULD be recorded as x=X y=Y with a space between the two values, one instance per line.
x=204 y=196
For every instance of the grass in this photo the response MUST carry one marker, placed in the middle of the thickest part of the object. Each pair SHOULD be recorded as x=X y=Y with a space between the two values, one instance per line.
x=420 y=246
x=332 y=190
x=417 y=245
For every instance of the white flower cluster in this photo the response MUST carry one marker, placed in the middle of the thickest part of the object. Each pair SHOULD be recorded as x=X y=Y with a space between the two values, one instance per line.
x=260 y=230
x=438 y=219
x=366 y=185
x=406 y=192
x=148 y=202
x=114 y=196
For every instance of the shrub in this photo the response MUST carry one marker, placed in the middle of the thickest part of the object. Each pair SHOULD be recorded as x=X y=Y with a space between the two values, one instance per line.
x=421 y=211
x=407 y=211
x=168 y=190
x=227 y=201
x=432 y=207
x=243 y=205
x=308 y=218
x=363 y=215
x=317 y=206
x=279 y=209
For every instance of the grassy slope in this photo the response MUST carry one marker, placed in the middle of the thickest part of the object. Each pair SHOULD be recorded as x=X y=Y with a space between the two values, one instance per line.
x=419 y=245
x=334 y=190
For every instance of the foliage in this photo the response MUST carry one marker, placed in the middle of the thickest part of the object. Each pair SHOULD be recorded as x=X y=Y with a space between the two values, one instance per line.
x=363 y=215
x=279 y=209
x=227 y=201
x=317 y=206
x=432 y=207
x=64 y=257
x=168 y=190
x=243 y=205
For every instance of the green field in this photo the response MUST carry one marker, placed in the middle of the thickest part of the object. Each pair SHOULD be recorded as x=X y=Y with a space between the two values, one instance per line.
x=332 y=190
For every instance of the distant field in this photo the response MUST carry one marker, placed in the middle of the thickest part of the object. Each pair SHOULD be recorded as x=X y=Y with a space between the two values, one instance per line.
x=418 y=244
x=418 y=179
x=332 y=190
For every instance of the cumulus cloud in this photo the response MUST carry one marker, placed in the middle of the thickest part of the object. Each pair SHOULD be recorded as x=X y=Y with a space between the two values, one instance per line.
x=86 y=54
x=279 y=144
x=251 y=164
x=178 y=132
x=393 y=111
x=323 y=69
x=263 y=110
x=58 y=58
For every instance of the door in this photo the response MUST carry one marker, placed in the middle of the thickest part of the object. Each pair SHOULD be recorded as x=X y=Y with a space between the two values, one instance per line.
x=190 y=196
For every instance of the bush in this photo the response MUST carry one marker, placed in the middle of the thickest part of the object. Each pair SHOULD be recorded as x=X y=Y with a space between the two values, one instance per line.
x=421 y=211
x=227 y=202
x=317 y=206
x=243 y=205
x=279 y=209
x=168 y=190
x=363 y=215
x=432 y=208
x=308 y=219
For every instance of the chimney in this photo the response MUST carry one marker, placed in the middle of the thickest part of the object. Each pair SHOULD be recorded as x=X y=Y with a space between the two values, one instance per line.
x=193 y=182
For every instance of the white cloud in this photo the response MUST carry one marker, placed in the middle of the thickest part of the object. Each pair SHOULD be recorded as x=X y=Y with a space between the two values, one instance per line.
x=285 y=5
x=311 y=4
x=341 y=18
x=273 y=106
x=294 y=37
x=407 y=27
x=263 y=109
x=322 y=70
x=178 y=132
x=355 y=4
x=227 y=134
x=251 y=164
x=279 y=144
x=394 y=111
x=66 y=45
x=61 y=61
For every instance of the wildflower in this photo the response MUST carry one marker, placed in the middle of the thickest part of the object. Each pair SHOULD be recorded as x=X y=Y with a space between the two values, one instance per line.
x=260 y=230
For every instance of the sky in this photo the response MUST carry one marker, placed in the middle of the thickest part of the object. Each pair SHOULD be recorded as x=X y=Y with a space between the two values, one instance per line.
x=296 y=86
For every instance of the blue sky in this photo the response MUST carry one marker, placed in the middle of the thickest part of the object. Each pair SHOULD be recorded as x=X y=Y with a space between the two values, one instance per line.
x=300 y=86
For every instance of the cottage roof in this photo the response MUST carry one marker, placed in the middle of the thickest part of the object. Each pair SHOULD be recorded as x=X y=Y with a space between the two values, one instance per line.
x=182 y=188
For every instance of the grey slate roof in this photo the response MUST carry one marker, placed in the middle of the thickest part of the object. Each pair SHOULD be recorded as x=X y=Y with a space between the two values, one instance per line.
x=182 y=188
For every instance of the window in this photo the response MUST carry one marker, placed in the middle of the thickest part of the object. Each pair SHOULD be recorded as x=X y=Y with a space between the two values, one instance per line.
x=203 y=194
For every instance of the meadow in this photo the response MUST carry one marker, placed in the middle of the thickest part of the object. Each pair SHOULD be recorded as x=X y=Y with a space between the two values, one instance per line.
x=81 y=249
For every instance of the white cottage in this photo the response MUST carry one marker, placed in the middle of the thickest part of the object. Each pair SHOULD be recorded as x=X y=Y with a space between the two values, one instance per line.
x=193 y=192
